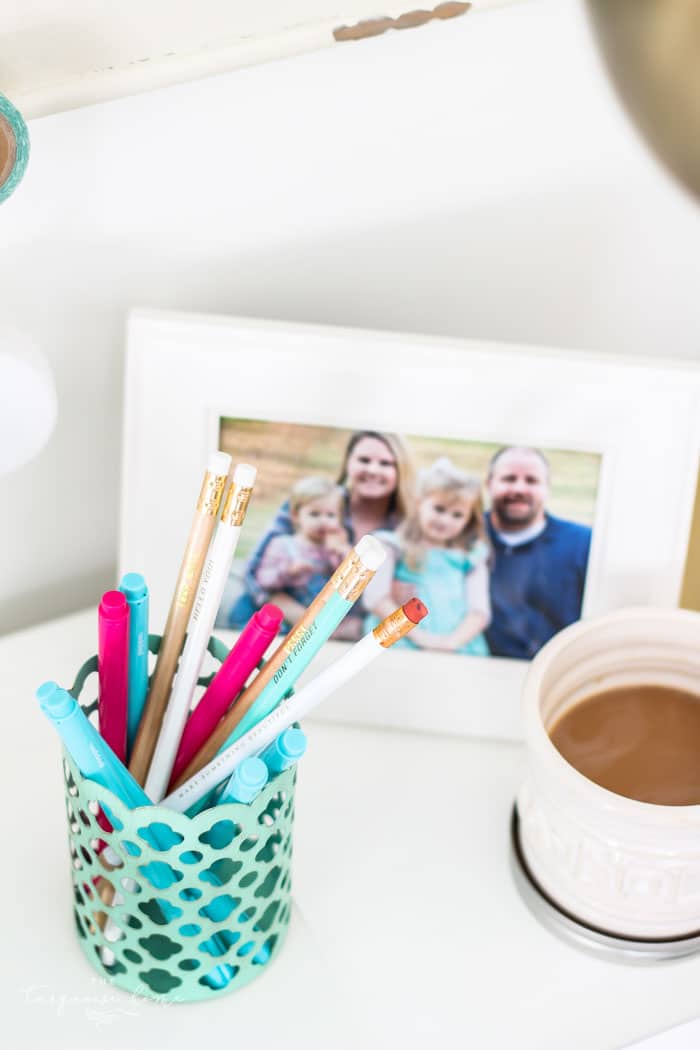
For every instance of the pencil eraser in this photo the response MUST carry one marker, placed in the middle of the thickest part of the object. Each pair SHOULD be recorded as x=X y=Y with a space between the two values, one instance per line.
x=244 y=475
x=219 y=463
x=370 y=552
x=414 y=610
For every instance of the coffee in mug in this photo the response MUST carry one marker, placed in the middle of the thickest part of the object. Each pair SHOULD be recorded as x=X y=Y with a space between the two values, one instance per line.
x=609 y=812
x=640 y=741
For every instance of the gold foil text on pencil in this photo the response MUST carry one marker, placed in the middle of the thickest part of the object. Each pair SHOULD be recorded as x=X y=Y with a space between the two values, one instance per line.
x=212 y=491
x=296 y=642
x=392 y=628
x=189 y=580
x=236 y=505
x=351 y=577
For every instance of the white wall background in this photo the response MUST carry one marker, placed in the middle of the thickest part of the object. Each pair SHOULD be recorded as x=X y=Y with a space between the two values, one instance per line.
x=471 y=178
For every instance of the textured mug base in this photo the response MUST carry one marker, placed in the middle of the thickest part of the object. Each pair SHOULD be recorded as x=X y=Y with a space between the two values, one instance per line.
x=594 y=941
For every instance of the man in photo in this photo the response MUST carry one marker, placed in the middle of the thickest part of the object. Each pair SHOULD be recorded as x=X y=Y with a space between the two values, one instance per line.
x=539 y=561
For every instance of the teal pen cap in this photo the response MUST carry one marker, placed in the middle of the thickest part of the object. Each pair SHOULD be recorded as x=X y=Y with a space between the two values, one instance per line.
x=56 y=703
x=246 y=782
x=133 y=586
x=63 y=710
x=283 y=752
x=93 y=757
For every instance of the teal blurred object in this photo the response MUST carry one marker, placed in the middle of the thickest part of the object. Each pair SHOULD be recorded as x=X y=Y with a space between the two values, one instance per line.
x=14 y=148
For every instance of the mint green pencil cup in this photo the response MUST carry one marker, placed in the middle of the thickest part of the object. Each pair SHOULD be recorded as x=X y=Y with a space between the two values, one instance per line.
x=178 y=909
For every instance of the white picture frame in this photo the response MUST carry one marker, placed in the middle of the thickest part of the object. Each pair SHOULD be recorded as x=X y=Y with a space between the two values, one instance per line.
x=185 y=371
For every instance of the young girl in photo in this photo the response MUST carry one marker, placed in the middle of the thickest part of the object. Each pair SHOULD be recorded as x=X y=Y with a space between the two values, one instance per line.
x=294 y=567
x=439 y=554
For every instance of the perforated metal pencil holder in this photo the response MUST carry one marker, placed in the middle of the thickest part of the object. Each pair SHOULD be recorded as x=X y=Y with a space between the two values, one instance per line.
x=191 y=908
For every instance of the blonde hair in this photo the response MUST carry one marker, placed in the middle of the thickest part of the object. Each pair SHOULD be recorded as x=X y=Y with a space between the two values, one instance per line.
x=306 y=490
x=443 y=476
x=401 y=499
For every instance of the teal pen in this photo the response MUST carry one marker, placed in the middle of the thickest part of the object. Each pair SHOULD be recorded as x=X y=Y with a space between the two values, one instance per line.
x=96 y=761
x=242 y=788
x=244 y=785
x=301 y=651
x=134 y=587
x=93 y=757
x=283 y=752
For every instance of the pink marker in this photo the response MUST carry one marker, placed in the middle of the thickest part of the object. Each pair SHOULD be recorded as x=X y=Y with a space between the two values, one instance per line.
x=227 y=683
x=113 y=670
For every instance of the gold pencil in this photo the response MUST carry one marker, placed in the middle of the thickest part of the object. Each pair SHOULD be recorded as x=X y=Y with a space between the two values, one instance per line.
x=176 y=626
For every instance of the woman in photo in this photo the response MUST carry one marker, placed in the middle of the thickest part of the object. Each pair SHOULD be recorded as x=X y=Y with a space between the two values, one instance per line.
x=376 y=479
x=440 y=554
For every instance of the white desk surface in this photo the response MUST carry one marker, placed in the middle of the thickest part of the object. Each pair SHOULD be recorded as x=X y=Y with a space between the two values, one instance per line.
x=406 y=925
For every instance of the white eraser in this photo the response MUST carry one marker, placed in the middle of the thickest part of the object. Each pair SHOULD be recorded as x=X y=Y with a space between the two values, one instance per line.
x=370 y=552
x=244 y=475
x=219 y=463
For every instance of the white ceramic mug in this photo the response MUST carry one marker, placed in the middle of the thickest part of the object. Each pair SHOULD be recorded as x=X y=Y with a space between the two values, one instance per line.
x=629 y=868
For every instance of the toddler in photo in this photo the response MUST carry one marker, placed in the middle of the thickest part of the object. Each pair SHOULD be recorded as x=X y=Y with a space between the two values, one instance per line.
x=300 y=564
x=440 y=554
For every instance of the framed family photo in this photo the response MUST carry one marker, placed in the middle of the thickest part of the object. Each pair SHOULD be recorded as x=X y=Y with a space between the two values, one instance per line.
x=515 y=490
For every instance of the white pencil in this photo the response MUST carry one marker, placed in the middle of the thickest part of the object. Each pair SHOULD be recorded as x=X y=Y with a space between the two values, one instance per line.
x=395 y=626
x=206 y=605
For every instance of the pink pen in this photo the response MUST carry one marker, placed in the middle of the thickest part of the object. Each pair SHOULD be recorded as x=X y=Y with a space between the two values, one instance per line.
x=227 y=683
x=113 y=670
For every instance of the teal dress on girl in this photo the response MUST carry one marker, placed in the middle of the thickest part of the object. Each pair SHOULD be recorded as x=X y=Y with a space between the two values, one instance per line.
x=440 y=585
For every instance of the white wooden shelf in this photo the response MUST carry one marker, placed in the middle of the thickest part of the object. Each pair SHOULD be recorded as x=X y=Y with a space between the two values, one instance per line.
x=407 y=929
